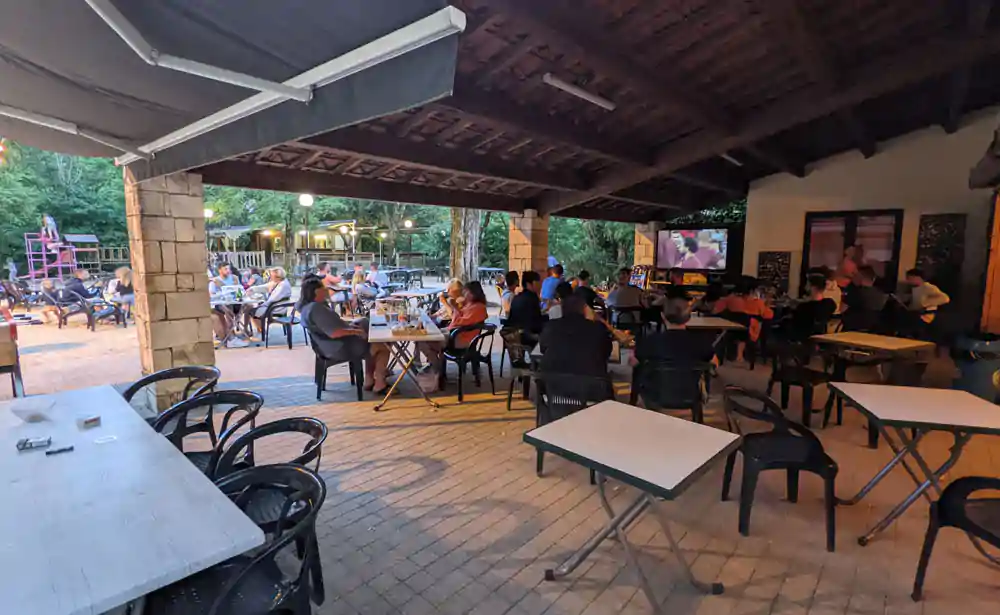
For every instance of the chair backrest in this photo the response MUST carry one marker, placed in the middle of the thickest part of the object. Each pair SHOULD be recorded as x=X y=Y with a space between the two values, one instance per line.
x=239 y=454
x=280 y=308
x=200 y=379
x=485 y=331
x=176 y=421
x=627 y=316
x=563 y=394
x=670 y=385
x=757 y=406
x=304 y=493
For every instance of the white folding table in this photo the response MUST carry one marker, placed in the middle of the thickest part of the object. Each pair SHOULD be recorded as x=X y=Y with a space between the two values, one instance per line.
x=714 y=322
x=659 y=455
x=123 y=514
x=895 y=410
x=381 y=332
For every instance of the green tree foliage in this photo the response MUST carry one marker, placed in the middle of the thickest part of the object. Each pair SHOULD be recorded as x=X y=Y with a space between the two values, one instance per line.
x=598 y=246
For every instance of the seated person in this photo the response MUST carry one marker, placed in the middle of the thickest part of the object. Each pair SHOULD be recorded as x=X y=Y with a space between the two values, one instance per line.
x=590 y=296
x=472 y=312
x=225 y=278
x=555 y=277
x=328 y=274
x=677 y=290
x=375 y=283
x=625 y=296
x=573 y=344
x=511 y=281
x=745 y=300
x=863 y=302
x=252 y=277
x=677 y=343
x=706 y=304
x=49 y=307
x=451 y=301
x=526 y=309
x=75 y=284
x=563 y=291
x=278 y=290
x=339 y=340
x=924 y=298
x=124 y=290
x=811 y=317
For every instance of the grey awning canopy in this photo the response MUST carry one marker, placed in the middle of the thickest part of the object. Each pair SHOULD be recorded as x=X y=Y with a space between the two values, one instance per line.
x=58 y=58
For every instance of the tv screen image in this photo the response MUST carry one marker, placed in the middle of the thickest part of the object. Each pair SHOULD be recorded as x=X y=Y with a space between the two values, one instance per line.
x=692 y=249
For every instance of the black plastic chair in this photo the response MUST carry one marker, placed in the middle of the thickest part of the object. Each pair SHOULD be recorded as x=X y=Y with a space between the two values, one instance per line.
x=520 y=363
x=787 y=446
x=629 y=319
x=978 y=517
x=323 y=363
x=280 y=313
x=473 y=353
x=790 y=368
x=176 y=422
x=666 y=385
x=94 y=309
x=256 y=584
x=200 y=380
x=560 y=395
x=239 y=453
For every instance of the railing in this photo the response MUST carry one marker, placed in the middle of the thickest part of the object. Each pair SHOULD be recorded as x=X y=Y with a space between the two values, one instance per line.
x=242 y=260
x=113 y=255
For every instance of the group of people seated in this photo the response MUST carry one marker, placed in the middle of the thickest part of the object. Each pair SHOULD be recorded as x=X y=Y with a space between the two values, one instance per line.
x=119 y=290
x=244 y=300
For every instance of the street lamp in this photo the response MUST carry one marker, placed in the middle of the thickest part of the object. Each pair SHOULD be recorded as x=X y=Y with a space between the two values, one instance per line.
x=208 y=214
x=381 y=238
x=408 y=223
x=306 y=200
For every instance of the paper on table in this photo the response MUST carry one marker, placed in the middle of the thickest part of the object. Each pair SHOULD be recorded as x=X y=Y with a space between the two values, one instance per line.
x=32 y=409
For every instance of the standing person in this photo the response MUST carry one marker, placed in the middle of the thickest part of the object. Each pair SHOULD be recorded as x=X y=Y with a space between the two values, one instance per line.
x=573 y=344
x=339 y=340
x=49 y=307
x=11 y=270
x=745 y=300
x=583 y=289
x=511 y=281
x=854 y=259
x=472 y=312
x=551 y=282
x=526 y=309
x=831 y=290
x=924 y=298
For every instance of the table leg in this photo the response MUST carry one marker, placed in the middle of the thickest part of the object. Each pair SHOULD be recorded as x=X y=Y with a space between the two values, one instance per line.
x=623 y=518
x=706 y=588
x=401 y=355
x=932 y=480
x=900 y=454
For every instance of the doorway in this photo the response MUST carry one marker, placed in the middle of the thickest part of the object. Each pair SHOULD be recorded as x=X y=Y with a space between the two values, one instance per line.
x=829 y=234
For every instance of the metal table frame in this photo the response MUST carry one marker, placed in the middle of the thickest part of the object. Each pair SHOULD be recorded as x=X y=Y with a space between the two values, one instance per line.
x=400 y=355
x=924 y=477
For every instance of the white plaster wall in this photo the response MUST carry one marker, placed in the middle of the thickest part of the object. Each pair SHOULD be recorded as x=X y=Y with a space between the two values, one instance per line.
x=923 y=172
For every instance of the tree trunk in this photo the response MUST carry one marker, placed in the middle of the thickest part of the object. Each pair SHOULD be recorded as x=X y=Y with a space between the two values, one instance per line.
x=465 y=225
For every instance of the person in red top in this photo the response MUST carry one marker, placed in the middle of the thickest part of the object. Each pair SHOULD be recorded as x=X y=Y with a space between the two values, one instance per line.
x=744 y=300
x=472 y=312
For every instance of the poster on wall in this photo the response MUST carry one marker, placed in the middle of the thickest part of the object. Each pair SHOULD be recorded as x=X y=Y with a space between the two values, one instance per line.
x=773 y=270
x=941 y=249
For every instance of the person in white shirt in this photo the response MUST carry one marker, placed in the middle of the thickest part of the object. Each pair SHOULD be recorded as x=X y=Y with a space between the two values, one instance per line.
x=279 y=289
x=375 y=283
x=925 y=297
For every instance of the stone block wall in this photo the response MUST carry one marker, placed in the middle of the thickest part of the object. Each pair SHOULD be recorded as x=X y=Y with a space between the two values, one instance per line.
x=166 y=226
x=645 y=243
x=528 y=248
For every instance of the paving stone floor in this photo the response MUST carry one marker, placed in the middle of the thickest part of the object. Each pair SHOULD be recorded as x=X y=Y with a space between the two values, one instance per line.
x=441 y=512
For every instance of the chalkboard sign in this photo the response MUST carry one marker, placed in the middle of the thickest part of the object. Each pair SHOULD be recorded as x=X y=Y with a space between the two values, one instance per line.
x=773 y=270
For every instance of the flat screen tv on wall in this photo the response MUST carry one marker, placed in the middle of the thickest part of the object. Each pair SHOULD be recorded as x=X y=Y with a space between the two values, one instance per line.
x=703 y=249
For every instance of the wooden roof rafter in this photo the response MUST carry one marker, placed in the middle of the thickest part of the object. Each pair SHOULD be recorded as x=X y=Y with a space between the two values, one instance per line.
x=977 y=14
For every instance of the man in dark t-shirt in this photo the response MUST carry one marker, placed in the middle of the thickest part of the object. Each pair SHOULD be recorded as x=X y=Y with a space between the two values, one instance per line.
x=588 y=294
x=678 y=343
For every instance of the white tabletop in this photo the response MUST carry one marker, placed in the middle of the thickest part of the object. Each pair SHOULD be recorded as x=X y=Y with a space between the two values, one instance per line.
x=713 y=322
x=654 y=452
x=381 y=333
x=937 y=409
x=870 y=341
x=416 y=293
x=87 y=531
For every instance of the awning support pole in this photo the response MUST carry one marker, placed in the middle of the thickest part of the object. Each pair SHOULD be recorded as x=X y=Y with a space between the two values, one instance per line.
x=70 y=128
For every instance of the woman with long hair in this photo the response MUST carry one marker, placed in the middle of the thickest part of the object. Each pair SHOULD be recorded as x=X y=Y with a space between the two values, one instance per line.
x=472 y=312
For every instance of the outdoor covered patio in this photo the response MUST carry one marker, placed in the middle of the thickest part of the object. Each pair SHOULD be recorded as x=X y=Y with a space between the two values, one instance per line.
x=628 y=110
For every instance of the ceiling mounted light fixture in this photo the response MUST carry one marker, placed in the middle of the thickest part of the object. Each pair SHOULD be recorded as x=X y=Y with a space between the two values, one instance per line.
x=575 y=90
x=730 y=159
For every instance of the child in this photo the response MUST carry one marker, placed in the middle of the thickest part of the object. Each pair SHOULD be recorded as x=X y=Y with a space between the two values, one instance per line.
x=49 y=300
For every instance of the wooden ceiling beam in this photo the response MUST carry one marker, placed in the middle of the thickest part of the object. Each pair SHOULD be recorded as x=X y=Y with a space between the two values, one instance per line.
x=733 y=187
x=504 y=59
x=914 y=65
x=791 y=25
x=307 y=159
x=510 y=116
x=417 y=118
x=977 y=15
x=249 y=175
x=372 y=145
x=779 y=160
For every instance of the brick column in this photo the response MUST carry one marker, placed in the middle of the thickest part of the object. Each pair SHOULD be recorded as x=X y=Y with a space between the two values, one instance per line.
x=166 y=226
x=528 y=247
x=645 y=243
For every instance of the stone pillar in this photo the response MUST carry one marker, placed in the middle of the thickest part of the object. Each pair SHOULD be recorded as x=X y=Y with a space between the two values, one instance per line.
x=645 y=243
x=528 y=246
x=166 y=226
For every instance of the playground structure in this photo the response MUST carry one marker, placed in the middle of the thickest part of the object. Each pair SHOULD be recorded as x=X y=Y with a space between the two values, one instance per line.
x=47 y=259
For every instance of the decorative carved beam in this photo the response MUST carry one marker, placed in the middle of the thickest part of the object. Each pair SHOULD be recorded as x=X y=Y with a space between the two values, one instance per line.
x=932 y=58
x=249 y=175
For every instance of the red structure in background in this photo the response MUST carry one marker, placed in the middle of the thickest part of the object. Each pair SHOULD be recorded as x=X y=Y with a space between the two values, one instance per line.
x=48 y=259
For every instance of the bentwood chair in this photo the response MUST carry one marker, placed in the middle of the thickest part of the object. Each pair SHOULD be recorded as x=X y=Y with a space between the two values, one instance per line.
x=255 y=584
x=979 y=517
x=280 y=313
x=787 y=446
x=560 y=395
x=196 y=415
x=196 y=380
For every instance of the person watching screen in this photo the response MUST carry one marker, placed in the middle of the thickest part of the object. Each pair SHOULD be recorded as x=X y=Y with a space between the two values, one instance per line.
x=526 y=308
x=551 y=282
